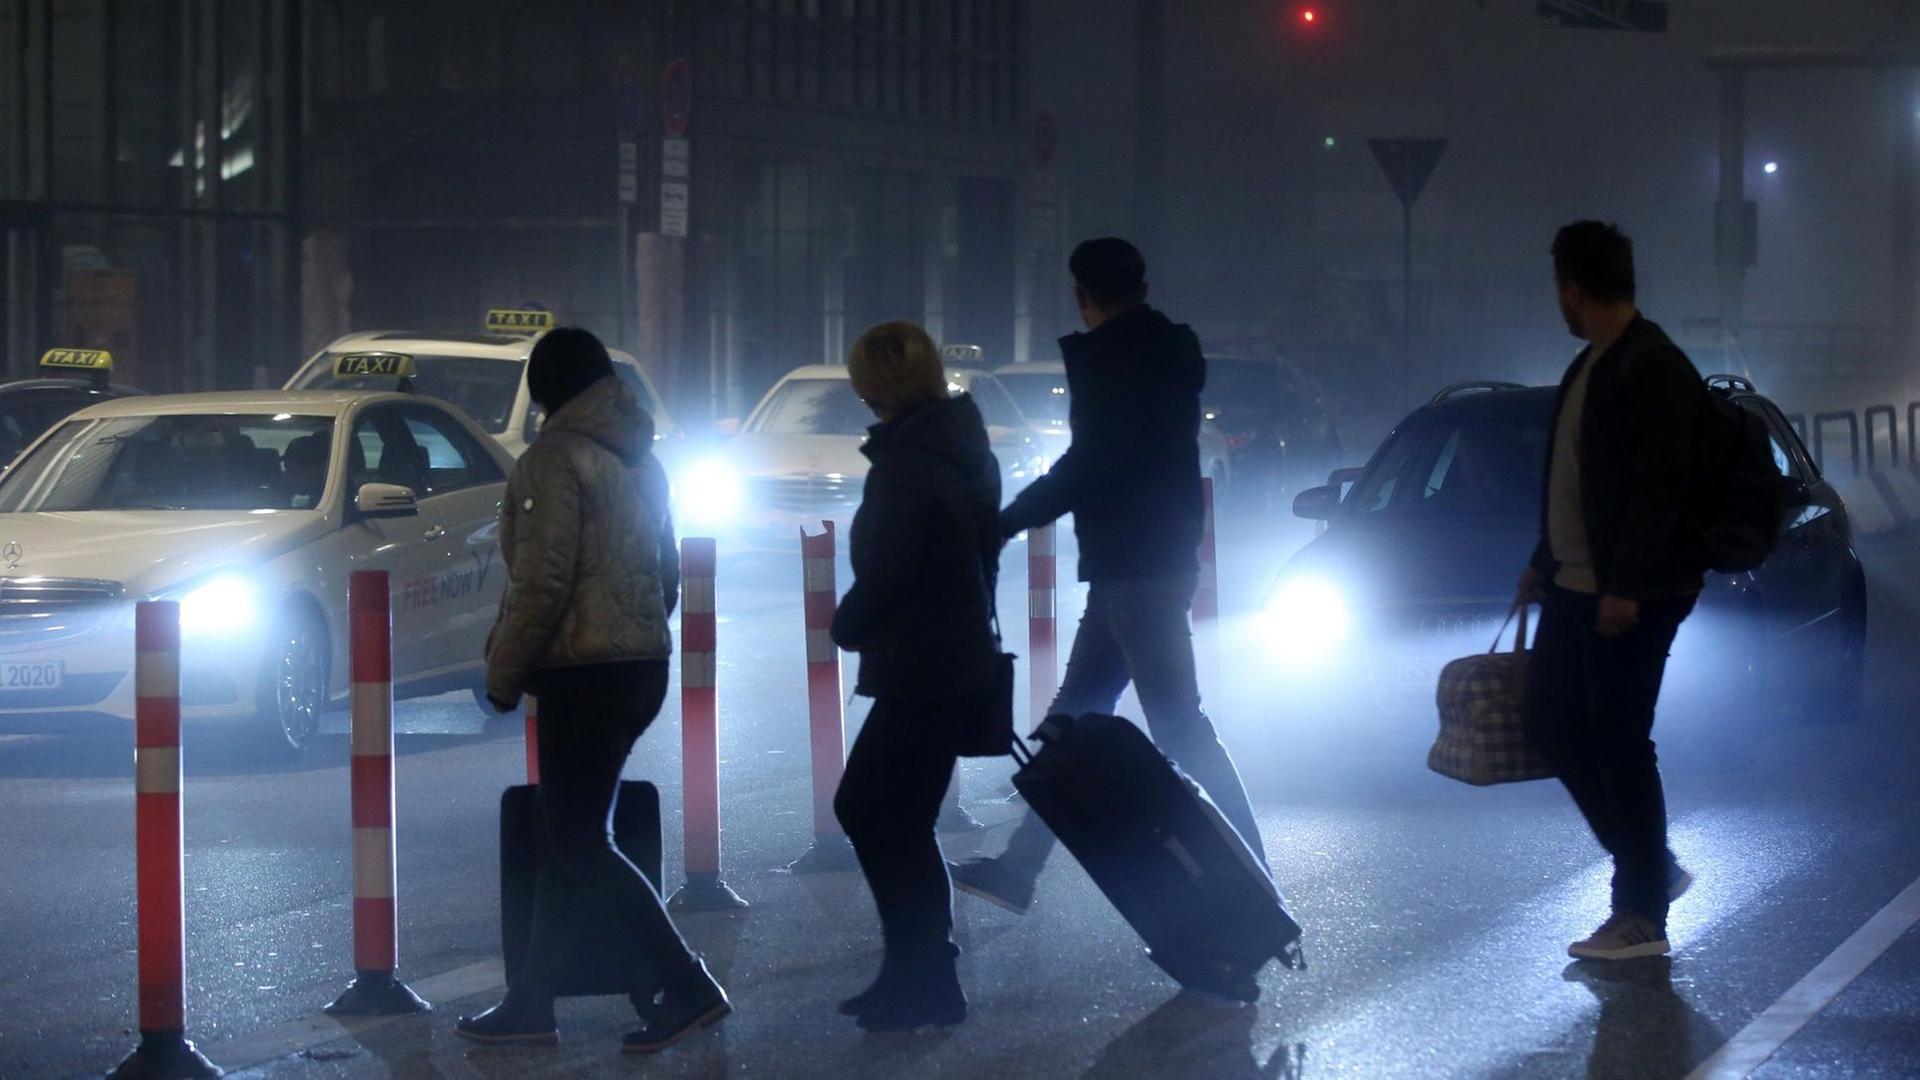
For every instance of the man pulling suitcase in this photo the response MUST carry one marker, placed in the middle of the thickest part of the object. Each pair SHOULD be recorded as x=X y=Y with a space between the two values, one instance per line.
x=1131 y=479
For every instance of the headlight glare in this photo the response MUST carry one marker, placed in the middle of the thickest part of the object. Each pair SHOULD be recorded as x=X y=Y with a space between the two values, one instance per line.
x=710 y=493
x=1306 y=619
x=222 y=605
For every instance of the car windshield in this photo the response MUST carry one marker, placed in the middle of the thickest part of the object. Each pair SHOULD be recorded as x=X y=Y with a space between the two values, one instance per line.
x=1488 y=460
x=1042 y=396
x=813 y=407
x=483 y=388
x=196 y=462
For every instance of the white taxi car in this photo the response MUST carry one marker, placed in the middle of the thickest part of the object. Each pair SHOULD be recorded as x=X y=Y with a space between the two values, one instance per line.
x=483 y=373
x=796 y=461
x=250 y=509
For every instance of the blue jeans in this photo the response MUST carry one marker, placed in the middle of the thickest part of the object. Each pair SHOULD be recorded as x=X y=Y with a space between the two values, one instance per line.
x=1138 y=632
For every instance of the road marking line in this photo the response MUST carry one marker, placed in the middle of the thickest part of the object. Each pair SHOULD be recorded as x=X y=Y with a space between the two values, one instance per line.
x=1767 y=1033
x=317 y=1028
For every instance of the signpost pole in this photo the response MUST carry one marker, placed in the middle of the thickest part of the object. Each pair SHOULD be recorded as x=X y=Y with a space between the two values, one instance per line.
x=1406 y=305
x=1409 y=164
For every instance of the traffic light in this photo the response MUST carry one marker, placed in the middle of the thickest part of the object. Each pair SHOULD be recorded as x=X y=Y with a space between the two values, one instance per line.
x=1309 y=15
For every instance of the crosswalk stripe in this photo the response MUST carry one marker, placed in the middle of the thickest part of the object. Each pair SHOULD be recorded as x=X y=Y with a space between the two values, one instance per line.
x=1767 y=1033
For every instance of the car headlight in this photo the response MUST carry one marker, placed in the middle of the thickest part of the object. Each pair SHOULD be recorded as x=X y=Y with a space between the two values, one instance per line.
x=1305 y=620
x=223 y=604
x=710 y=492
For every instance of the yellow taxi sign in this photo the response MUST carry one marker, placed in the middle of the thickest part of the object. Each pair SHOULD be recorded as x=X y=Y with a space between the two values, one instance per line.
x=78 y=359
x=512 y=321
x=356 y=365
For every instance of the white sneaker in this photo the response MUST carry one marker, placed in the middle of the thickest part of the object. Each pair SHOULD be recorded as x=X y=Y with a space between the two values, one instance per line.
x=1624 y=936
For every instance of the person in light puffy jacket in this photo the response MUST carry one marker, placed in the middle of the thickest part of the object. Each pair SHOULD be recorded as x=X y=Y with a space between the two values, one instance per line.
x=592 y=577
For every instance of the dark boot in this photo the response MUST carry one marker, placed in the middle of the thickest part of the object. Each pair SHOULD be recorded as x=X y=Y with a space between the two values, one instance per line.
x=892 y=974
x=517 y=1019
x=687 y=1004
x=927 y=994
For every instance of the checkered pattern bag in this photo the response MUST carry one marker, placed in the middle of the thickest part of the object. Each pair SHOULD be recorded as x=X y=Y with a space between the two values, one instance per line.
x=1482 y=701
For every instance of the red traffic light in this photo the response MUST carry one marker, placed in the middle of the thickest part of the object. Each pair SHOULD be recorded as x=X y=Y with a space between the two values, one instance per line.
x=1309 y=15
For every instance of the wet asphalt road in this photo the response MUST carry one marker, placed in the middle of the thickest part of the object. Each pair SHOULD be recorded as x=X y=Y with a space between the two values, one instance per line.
x=1437 y=915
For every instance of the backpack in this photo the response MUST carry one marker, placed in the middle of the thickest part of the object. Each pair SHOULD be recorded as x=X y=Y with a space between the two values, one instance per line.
x=1742 y=496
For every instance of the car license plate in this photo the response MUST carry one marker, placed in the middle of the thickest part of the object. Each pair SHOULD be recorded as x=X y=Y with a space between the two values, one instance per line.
x=41 y=675
x=1420 y=674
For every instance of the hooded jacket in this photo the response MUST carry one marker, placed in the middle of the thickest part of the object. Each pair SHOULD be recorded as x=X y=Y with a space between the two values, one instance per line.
x=1131 y=478
x=926 y=557
x=592 y=571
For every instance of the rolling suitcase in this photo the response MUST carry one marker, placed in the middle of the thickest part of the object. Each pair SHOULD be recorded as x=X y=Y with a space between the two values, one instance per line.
x=1160 y=850
x=600 y=964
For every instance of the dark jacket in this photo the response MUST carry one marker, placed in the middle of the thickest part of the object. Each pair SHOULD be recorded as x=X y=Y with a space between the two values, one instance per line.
x=926 y=557
x=1131 y=478
x=1637 y=449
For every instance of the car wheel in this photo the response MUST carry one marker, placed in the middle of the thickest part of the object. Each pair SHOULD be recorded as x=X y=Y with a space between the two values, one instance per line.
x=1841 y=701
x=293 y=686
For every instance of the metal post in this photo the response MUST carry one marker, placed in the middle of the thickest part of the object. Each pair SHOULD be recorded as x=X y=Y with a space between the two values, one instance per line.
x=1730 y=246
x=1150 y=126
x=1406 y=305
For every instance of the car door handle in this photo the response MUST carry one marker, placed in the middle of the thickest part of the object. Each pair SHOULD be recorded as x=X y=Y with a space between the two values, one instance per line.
x=434 y=533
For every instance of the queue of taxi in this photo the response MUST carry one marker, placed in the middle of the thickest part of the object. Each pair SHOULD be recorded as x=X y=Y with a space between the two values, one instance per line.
x=795 y=461
x=387 y=450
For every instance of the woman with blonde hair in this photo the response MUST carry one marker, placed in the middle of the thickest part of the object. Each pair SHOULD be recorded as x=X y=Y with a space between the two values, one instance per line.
x=925 y=547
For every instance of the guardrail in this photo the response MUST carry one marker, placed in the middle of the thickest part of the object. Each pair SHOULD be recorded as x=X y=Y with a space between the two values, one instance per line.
x=1867 y=432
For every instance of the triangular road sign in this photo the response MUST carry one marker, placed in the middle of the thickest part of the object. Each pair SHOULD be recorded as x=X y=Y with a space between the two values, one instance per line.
x=1408 y=163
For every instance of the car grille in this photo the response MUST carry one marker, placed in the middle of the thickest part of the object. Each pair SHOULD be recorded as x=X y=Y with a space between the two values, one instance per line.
x=805 y=494
x=42 y=610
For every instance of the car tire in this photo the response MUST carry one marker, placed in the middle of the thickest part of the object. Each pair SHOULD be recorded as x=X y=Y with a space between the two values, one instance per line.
x=293 y=686
x=1839 y=700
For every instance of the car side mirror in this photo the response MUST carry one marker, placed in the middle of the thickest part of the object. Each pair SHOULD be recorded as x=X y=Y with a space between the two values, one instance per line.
x=728 y=427
x=386 y=501
x=1317 y=503
x=1796 y=493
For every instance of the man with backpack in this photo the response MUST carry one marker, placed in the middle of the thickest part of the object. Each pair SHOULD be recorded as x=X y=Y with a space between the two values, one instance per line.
x=1618 y=567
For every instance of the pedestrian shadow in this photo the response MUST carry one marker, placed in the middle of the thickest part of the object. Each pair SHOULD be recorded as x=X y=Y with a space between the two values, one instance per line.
x=1645 y=1028
x=1190 y=1035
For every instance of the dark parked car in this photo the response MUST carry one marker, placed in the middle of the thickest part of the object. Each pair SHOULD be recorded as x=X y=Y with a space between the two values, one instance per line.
x=1280 y=436
x=30 y=407
x=1419 y=557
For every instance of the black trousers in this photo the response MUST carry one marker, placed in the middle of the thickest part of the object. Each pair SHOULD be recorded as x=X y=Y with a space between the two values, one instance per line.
x=1590 y=705
x=889 y=800
x=590 y=718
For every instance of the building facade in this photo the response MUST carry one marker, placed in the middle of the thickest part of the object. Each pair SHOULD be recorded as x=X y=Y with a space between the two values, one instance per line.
x=728 y=188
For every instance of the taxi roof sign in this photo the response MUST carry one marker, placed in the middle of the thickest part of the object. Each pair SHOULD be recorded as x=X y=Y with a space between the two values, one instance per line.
x=968 y=355
x=517 y=321
x=389 y=365
x=78 y=359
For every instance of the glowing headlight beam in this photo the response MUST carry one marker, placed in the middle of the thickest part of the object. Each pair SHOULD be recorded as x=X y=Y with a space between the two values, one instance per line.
x=1305 y=620
x=710 y=493
x=228 y=603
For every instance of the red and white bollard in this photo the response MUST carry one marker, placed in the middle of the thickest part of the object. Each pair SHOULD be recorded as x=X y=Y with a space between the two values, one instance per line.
x=1043 y=642
x=826 y=713
x=700 y=732
x=376 y=952
x=164 y=1051
x=1206 y=597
